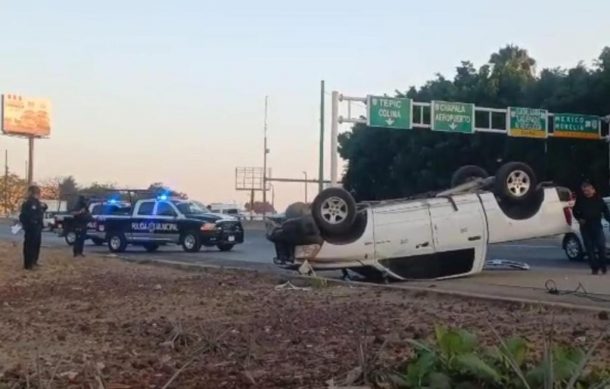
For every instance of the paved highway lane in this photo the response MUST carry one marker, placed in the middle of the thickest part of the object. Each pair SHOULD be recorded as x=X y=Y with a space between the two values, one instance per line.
x=257 y=252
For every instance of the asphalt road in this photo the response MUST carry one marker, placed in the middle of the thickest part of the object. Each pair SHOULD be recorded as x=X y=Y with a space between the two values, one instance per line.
x=257 y=252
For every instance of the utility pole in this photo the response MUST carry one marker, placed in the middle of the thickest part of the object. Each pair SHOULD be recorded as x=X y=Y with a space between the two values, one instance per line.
x=252 y=204
x=305 y=174
x=321 y=158
x=265 y=152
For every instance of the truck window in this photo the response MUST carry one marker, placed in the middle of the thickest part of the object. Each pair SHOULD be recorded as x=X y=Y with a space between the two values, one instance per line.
x=165 y=209
x=146 y=208
x=96 y=210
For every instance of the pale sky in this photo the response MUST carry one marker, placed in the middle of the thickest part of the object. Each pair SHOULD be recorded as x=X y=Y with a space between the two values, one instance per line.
x=173 y=91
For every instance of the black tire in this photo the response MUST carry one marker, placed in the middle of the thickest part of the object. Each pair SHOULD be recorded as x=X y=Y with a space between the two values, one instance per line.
x=117 y=243
x=515 y=182
x=466 y=174
x=225 y=247
x=151 y=247
x=70 y=238
x=573 y=248
x=97 y=241
x=334 y=211
x=191 y=242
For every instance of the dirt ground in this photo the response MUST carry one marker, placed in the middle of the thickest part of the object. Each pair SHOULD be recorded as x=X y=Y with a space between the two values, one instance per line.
x=103 y=323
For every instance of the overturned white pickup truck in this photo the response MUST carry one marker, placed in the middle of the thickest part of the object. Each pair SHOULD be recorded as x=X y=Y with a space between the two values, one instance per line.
x=439 y=235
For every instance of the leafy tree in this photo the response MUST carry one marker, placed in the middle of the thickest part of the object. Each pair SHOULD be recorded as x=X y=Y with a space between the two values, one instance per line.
x=50 y=188
x=67 y=188
x=158 y=188
x=12 y=193
x=385 y=163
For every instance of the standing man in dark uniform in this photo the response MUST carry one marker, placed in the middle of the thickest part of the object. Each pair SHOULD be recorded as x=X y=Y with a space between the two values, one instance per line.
x=81 y=218
x=589 y=209
x=31 y=218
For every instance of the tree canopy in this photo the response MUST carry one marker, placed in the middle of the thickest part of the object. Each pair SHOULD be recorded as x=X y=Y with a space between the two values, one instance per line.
x=385 y=163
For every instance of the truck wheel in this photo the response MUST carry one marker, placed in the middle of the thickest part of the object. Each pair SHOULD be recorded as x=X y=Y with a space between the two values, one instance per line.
x=191 y=242
x=151 y=247
x=70 y=237
x=117 y=243
x=573 y=248
x=515 y=181
x=466 y=174
x=225 y=247
x=97 y=241
x=334 y=211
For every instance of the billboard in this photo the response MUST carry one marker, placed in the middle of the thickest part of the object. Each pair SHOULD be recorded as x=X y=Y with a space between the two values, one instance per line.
x=26 y=116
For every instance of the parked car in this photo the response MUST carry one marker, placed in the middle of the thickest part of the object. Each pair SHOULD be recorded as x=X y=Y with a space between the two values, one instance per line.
x=226 y=209
x=434 y=236
x=49 y=221
x=572 y=243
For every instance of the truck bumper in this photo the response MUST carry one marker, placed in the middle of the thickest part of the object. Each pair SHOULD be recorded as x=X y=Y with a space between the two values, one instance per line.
x=222 y=237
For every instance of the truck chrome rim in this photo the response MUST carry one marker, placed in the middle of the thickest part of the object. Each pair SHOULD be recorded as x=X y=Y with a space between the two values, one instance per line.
x=189 y=241
x=334 y=210
x=572 y=248
x=518 y=183
x=115 y=242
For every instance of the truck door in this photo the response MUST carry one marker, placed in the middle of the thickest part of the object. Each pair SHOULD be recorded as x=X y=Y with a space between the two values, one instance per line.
x=166 y=226
x=460 y=233
x=142 y=224
x=403 y=239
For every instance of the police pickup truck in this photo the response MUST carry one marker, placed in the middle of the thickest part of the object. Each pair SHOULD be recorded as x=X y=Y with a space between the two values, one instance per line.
x=161 y=221
x=99 y=211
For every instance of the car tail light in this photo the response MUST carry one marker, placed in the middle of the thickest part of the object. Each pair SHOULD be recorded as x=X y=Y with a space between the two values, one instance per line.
x=567 y=212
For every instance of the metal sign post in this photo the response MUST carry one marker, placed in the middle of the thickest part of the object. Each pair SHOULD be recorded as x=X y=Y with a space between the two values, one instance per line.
x=334 y=133
x=30 y=160
x=26 y=117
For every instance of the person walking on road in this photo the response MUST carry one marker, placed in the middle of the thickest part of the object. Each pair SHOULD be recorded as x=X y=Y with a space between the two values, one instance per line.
x=589 y=209
x=81 y=218
x=31 y=218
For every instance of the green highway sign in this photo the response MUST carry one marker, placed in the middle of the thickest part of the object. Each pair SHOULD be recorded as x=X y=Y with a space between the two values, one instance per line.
x=568 y=125
x=389 y=112
x=526 y=122
x=452 y=117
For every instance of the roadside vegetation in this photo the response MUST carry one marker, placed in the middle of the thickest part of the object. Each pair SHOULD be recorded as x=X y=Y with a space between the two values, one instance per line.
x=104 y=323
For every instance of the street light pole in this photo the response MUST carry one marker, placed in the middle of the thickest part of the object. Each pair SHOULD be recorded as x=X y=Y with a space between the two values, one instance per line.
x=305 y=174
x=272 y=197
